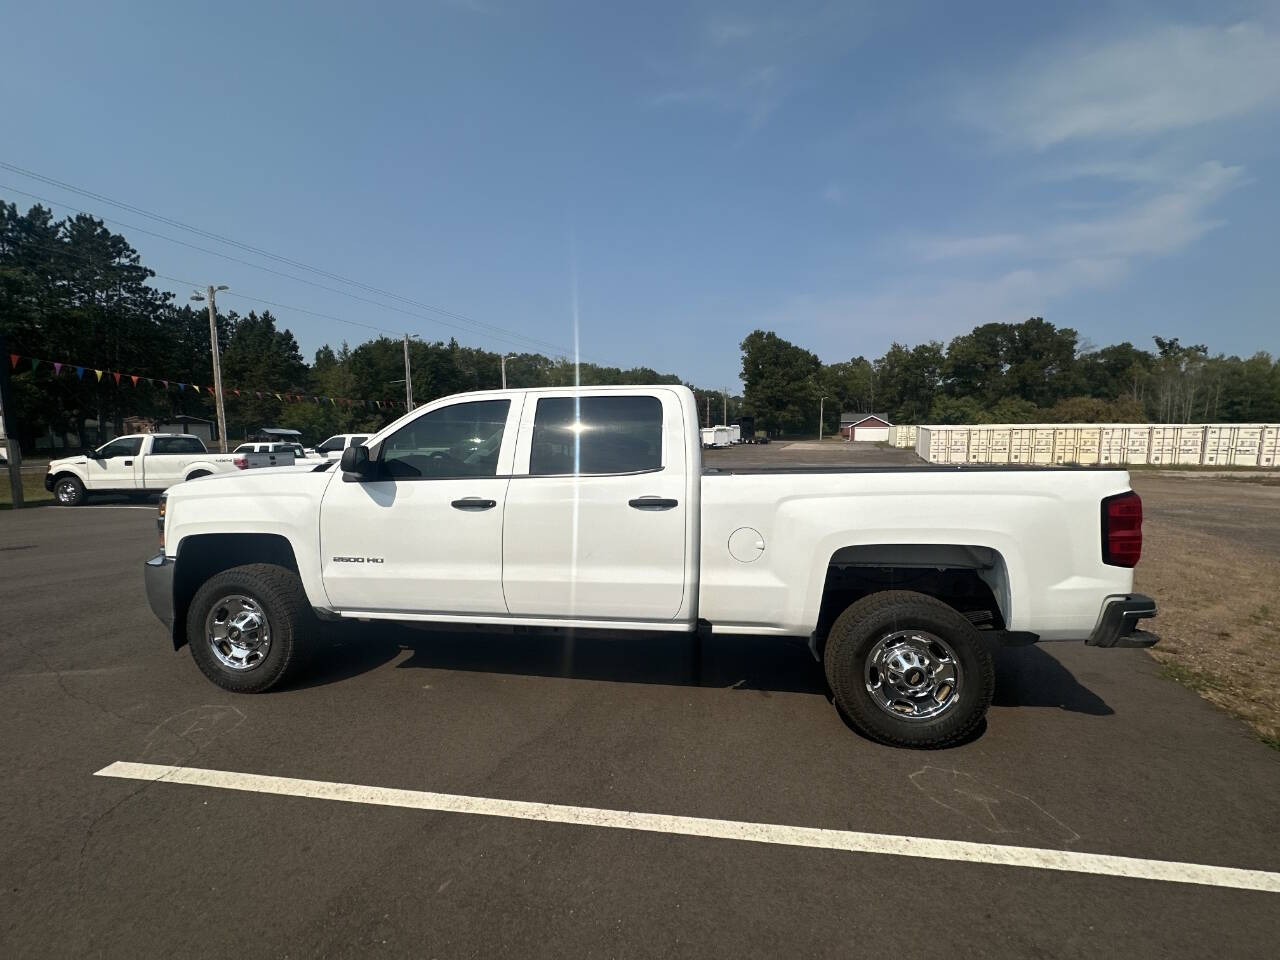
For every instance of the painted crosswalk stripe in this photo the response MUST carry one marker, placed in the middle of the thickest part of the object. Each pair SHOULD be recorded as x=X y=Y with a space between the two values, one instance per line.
x=814 y=837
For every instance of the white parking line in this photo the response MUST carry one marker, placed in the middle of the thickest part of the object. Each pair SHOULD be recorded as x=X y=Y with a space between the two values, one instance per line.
x=849 y=840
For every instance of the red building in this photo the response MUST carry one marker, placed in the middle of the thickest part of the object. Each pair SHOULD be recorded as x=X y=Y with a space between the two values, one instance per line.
x=865 y=426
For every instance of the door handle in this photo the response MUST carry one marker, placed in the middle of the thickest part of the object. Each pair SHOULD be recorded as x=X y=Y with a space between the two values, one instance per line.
x=474 y=503
x=653 y=503
x=128 y=463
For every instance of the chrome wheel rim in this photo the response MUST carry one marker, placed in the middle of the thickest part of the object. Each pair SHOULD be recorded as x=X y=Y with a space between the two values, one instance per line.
x=66 y=491
x=913 y=675
x=238 y=632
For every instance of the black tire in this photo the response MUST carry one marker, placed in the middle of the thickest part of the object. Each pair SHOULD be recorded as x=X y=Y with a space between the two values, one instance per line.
x=198 y=473
x=864 y=624
x=68 y=491
x=278 y=594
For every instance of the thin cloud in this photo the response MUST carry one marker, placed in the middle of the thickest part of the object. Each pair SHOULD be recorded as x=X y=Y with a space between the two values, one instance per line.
x=1170 y=78
x=967 y=280
x=722 y=31
x=835 y=194
x=1152 y=224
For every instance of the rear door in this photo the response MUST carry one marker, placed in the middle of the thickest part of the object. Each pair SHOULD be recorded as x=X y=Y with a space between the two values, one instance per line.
x=596 y=513
x=425 y=534
x=168 y=461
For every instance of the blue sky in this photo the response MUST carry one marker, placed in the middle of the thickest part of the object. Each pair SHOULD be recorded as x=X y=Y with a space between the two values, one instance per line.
x=845 y=174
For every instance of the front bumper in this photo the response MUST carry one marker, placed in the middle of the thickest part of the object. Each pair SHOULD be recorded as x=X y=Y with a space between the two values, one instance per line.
x=1118 y=625
x=158 y=576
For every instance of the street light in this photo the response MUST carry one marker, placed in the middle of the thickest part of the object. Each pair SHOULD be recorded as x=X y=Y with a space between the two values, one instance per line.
x=821 y=401
x=210 y=295
x=503 y=361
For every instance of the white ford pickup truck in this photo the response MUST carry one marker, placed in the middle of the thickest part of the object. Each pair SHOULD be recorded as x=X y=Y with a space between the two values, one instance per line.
x=144 y=463
x=590 y=508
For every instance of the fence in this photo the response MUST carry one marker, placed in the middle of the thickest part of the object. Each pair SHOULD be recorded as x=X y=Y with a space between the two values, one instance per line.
x=1213 y=444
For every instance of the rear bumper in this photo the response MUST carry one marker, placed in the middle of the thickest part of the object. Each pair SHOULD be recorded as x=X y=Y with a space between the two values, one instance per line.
x=157 y=574
x=1118 y=625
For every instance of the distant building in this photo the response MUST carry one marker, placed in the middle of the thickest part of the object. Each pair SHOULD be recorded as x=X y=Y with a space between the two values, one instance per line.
x=192 y=426
x=865 y=426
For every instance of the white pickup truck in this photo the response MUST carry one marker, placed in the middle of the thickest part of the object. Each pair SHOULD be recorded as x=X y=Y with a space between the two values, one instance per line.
x=144 y=463
x=590 y=508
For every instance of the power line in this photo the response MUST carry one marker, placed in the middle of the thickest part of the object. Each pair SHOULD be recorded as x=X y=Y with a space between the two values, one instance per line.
x=249 y=248
x=94 y=262
x=517 y=339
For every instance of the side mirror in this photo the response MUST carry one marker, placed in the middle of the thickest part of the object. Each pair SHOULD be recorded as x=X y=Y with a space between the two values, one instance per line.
x=356 y=465
x=93 y=454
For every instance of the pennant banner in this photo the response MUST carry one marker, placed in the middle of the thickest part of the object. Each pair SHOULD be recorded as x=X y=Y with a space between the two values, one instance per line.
x=134 y=378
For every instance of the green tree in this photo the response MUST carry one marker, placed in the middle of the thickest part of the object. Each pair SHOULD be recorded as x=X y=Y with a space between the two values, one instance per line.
x=780 y=382
x=909 y=380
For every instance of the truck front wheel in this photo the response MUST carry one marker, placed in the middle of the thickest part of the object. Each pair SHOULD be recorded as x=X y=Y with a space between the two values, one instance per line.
x=909 y=670
x=244 y=626
x=68 y=491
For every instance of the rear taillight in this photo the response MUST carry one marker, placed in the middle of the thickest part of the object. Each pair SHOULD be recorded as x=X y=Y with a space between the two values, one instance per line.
x=1122 y=529
x=241 y=463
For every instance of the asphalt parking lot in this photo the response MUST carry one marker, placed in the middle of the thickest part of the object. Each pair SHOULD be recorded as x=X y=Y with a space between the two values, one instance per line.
x=1086 y=751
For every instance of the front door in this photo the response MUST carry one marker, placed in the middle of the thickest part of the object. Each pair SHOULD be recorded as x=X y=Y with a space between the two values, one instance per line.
x=117 y=467
x=424 y=535
x=596 y=512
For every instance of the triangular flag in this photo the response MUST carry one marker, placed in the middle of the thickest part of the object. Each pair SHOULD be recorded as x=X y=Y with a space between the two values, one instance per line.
x=13 y=359
x=117 y=376
x=181 y=387
x=134 y=378
x=278 y=397
x=57 y=368
x=99 y=373
x=195 y=388
x=34 y=364
x=166 y=384
x=258 y=393
x=236 y=392
x=80 y=373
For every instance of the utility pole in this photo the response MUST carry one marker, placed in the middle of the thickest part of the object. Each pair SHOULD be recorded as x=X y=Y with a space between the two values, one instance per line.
x=8 y=427
x=821 y=401
x=217 y=360
x=408 y=377
x=504 y=369
x=725 y=421
x=708 y=406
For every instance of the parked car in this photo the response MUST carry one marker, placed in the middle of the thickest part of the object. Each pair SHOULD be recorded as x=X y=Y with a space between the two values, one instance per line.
x=332 y=448
x=146 y=462
x=589 y=508
x=298 y=451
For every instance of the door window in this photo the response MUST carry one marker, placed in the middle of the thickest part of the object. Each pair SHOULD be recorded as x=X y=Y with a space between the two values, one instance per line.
x=461 y=440
x=176 y=445
x=332 y=445
x=596 y=435
x=124 y=447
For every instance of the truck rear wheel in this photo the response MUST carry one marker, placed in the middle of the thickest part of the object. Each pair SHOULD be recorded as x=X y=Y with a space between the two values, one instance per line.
x=243 y=626
x=68 y=491
x=909 y=670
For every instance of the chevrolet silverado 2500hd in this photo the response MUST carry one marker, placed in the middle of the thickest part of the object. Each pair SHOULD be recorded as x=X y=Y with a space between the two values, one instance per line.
x=590 y=508
x=145 y=463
